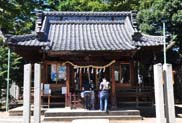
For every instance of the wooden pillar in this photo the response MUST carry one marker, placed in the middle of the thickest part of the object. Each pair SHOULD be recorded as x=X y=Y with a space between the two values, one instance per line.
x=43 y=74
x=113 y=89
x=67 y=95
x=96 y=80
x=132 y=72
x=80 y=78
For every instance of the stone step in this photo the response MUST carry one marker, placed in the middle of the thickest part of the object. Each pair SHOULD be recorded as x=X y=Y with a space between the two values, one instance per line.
x=60 y=113
x=113 y=117
x=19 y=111
x=16 y=113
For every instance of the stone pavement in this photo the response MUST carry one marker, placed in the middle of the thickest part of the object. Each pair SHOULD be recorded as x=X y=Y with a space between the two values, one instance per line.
x=4 y=118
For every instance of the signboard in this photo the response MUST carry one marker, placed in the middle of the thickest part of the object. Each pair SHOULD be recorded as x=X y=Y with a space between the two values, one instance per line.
x=63 y=90
x=61 y=72
x=53 y=72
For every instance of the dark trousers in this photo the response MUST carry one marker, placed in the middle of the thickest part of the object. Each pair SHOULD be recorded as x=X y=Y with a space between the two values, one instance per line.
x=87 y=99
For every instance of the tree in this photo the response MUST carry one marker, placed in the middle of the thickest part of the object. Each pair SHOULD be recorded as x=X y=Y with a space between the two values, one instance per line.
x=150 y=18
x=15 y=67
x=124 y=5
x=82 y=5
x=18 y=17
x=150 y=21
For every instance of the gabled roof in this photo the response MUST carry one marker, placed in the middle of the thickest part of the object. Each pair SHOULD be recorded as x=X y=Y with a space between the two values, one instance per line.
x=86 y=31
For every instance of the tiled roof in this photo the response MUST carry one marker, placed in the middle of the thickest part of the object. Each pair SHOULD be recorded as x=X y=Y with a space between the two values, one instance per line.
x=148 y=40
x=26 y=40
x=90 y=36
x=86 y=31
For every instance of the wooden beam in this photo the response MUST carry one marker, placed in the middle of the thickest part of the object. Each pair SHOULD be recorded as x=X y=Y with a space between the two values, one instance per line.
x=132 y=72
x=94 y=53
x=90 y=55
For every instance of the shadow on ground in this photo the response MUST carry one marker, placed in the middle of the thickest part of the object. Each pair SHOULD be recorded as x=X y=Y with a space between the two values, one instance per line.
x=149 y=111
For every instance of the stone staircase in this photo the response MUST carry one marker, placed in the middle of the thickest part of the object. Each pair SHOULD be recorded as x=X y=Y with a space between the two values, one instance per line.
x=67 y=114
x=70 y=115
x=19 y=111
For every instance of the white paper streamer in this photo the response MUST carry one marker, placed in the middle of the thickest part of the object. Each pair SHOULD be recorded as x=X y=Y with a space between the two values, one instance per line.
x=92 y=71
x=97 y=71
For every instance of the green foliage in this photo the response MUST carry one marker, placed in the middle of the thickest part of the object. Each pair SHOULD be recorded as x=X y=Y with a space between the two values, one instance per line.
x=82 y=5
x=124 y=5
x=17 y=16
x=15 y=67
x=145 y=4
x=53 y=4
x=1 y=41
x=150 y=18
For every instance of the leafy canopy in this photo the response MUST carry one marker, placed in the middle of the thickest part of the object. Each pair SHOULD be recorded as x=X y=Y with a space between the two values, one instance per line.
x=152 y=13
x=17 y=16
x=123 y=5
x=78 y=5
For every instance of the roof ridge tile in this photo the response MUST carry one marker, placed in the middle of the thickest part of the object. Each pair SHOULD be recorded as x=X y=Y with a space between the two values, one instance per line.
x=86 y=13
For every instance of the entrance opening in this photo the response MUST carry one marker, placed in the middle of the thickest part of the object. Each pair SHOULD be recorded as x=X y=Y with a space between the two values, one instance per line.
x=82 y=78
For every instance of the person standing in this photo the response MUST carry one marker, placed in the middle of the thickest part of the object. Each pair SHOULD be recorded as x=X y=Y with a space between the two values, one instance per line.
x=87 y=96
x=104 y=94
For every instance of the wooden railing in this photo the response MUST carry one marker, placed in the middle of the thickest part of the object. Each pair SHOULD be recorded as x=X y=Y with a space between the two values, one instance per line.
x=54 y=98
x=76 y=100
x=135 y=95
